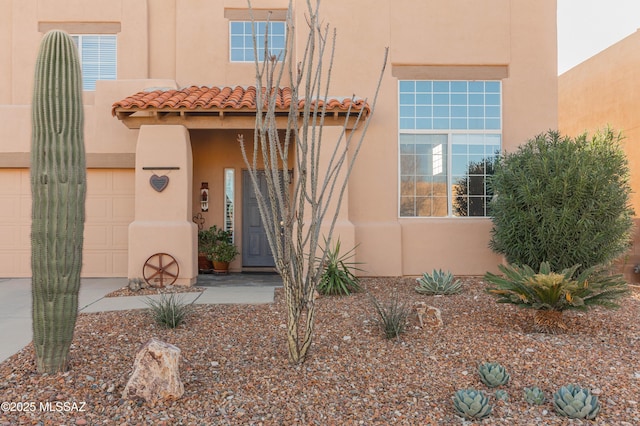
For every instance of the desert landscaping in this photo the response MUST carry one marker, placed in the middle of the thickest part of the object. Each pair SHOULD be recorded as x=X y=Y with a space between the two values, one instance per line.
x=235 y=370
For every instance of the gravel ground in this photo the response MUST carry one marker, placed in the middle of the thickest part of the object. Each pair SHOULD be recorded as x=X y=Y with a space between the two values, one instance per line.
x=124 y=291
x=236 y=372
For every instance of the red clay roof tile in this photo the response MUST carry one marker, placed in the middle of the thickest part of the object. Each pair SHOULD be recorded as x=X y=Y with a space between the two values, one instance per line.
x=235 y=98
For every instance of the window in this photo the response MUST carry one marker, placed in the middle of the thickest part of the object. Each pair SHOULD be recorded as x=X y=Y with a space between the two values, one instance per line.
x=450 y=136
x=98 y=58
x=229 y=194
x=241 y=39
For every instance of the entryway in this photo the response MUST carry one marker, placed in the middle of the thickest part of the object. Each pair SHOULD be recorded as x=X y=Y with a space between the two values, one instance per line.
x=256 y=252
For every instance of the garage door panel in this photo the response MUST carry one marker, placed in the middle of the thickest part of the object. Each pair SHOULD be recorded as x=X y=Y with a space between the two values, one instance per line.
x=10 y=209
x=95 y=263
x=97 y=210
x=96 y=237
x=8 y=236
x=120 y=236
x=123 y=208
x=122 y=183
x=25 y=206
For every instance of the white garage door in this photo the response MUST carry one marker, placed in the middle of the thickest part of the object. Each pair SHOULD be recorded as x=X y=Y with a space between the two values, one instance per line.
x=109 y=210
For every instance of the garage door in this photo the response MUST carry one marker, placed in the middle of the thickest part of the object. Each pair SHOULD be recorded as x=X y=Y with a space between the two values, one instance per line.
x=109 y=210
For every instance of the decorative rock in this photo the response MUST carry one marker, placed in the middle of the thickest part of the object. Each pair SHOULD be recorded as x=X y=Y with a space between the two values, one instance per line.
x=135 y=284
x=428 y=315
x=156 y=374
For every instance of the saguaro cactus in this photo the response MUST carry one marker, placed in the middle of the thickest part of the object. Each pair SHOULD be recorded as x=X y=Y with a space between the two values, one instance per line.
x=58 y=187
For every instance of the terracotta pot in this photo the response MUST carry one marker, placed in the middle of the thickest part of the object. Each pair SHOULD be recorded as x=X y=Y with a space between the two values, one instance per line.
x=204 y=264
x=220 y=267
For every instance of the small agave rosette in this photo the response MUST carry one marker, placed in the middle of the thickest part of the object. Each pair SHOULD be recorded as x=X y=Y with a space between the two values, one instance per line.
x=534 y=395
x=493 y=374
x=501 y=395
x=472 y=404
x=576 y=403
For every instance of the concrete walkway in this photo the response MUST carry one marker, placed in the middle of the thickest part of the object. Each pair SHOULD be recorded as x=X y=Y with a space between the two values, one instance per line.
x=15 y=300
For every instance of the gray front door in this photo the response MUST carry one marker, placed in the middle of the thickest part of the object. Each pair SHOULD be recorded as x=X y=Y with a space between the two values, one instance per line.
x=255 y=246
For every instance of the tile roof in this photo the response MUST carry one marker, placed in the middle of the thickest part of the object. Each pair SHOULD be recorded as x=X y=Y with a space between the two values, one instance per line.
x=227 y=99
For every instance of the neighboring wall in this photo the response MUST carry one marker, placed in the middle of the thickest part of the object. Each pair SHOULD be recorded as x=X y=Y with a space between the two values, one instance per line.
x=604 y=91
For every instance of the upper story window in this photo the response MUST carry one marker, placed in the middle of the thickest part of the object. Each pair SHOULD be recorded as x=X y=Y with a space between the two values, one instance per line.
x=450 y=136
x=98 y=57
x=241 y=39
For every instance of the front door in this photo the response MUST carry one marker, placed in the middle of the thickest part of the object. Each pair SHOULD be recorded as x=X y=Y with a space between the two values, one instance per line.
x=255 y=246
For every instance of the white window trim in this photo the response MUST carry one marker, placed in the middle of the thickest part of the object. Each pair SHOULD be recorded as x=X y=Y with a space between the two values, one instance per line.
x=79 y=45
x=449 y=133
x=250 y=61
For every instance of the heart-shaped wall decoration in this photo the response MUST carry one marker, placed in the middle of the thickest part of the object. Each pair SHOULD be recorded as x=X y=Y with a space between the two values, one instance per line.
x=159 y=183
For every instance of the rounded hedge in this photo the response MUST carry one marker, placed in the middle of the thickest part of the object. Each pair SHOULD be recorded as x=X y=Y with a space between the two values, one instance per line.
x=562 y=200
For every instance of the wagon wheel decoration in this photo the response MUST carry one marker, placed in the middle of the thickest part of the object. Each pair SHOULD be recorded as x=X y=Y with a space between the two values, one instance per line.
x=160 y=270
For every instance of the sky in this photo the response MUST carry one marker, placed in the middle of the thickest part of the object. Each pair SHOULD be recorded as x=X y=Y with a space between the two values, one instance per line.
x=586 y=27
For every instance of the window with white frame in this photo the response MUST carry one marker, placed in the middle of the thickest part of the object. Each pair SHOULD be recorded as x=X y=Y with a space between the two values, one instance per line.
x=98 y=58
x=450 y=136
x=241 y=39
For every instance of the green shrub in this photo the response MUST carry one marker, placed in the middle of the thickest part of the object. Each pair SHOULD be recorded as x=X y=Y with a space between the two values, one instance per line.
x=337 y=275
x=550 y=293
x=562 y=200
x=169 y=311
x=438 y=282
x=392 y=316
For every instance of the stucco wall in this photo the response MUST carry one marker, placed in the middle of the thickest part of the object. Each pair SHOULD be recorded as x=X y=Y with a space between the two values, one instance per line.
x=604 y=91
x=173 y=43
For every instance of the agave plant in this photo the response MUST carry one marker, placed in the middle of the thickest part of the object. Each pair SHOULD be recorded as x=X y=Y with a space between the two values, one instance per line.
x=502 y=395
x=438 y=282
x=576 y=403
x=493 y=374
x=472 y=404
x=534 y=395
x=551 y=293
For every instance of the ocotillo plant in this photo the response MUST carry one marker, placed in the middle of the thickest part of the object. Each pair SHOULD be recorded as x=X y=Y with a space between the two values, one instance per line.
x=58 y=187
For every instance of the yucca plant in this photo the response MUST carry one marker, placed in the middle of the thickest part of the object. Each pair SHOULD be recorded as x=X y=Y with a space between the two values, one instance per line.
x=168 y=311
x=392 y=316
x=493 y=374
x=338 y=276
x=438 y=282
x=534 y=395
x=576 y=403
x=551 y=293
x=472 y=404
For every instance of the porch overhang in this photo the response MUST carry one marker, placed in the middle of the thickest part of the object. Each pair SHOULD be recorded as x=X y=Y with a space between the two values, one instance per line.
x=202 y=107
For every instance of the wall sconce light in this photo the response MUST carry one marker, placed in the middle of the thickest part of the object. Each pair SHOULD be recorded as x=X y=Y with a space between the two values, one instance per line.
x=204 y=196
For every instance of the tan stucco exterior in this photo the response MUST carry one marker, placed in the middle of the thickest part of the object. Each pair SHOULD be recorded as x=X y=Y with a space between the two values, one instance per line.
x=603 y=91
x=176 y=43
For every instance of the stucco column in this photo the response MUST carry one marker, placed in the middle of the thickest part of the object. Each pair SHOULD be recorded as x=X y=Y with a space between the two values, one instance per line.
x=344 y=229
x=163 y=191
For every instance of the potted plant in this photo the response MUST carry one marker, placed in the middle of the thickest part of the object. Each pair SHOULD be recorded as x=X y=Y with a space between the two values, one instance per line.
x=221 y=254
x=207 y=238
